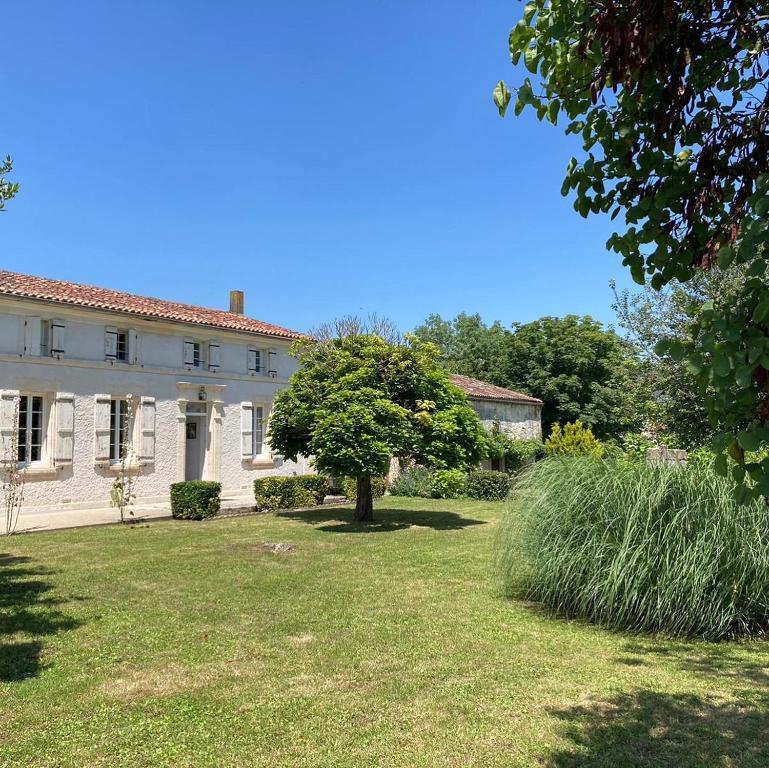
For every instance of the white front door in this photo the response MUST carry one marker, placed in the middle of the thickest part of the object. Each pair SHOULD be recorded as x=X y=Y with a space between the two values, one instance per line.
x=196 y=434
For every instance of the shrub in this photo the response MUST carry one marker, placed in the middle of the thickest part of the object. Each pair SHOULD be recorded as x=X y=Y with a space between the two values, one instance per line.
x=573 y=440
x=635 y=445
x=520 y=453
x=378 y=487
x=639 y=548
x=317 y=485
x=447 y=483
x=488 y=485
x=195 y=499
x=412 y=481
x=516 y=453
x=276 y=492
x=271 y=493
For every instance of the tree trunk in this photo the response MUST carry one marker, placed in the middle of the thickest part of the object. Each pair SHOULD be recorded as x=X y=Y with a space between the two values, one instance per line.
x=364 y=505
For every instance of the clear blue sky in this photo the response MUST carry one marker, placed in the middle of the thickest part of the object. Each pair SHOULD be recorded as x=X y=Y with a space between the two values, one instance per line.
x=325 y=157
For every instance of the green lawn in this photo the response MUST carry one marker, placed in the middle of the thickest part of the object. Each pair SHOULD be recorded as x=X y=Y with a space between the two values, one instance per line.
x=188 y=644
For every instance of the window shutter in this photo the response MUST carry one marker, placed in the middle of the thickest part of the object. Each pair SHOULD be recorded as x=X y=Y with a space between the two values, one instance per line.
x=110 y=343
x=64 y=443
x=8 y=423
x=101 y=428
x=273 y=358
x=134 y=348
x=247 y=430
x=214 y=355
x=147 y=440
x=57 y=337
x=252 y=365
x=33 y=335
x=189 y=352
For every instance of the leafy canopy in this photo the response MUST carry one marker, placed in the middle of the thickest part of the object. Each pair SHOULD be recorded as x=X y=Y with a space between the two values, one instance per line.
x=579 y=369
x=357 y=401
x=670 y=100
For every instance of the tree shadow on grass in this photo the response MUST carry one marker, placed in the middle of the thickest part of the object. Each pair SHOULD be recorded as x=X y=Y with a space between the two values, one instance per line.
x=714 y=660
x=339 y=520
x=27 y=607
x=648 y=729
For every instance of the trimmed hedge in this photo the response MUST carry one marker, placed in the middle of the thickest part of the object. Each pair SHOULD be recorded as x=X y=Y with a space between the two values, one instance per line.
x=378 y=487
x=195 y=499
x=271 y=493
x=487 y=485
x=317 y=485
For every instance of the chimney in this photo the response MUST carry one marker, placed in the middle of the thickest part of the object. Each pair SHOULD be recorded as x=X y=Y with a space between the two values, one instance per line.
x=237 y=301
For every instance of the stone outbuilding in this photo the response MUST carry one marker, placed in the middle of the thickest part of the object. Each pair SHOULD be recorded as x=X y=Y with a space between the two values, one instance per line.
x=513 y=413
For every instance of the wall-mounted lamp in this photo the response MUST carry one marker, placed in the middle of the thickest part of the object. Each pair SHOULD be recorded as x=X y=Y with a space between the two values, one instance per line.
x=202 y=394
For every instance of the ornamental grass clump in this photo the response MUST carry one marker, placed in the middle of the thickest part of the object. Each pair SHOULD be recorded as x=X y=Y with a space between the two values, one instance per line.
x=659 y=549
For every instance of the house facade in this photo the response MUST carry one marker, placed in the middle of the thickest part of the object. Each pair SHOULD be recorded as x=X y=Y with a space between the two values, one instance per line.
x=85 y=370
x=515 y=414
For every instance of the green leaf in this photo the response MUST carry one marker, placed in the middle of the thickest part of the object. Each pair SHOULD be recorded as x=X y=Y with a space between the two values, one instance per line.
x=762 y=206
x=552 y=110
x=721 y=364
x=531 y=59
x=761 y=312
x=502 y=97
x=721 y=465
x=528 y=11
x=725 y=256
x=749 y=440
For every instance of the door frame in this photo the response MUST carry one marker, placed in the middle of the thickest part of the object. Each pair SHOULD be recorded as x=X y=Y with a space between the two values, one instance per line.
x=210 y=394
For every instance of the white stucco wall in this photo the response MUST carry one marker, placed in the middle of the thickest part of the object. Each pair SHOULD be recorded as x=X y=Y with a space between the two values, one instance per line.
x=160 y=373
x=520 y=420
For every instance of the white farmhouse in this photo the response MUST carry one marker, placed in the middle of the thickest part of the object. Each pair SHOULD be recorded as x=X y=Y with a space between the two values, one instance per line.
x=72 y=359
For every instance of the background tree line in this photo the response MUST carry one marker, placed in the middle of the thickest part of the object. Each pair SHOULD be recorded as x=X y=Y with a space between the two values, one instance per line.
x=614 y=382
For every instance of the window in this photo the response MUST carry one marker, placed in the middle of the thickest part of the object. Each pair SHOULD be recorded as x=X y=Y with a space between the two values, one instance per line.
x=52 y=338
x=122 y=346
x=30 y=429
x=258 y=430
x=193 y=353
x=119 y=437
x=254 y=360
x=116 y=344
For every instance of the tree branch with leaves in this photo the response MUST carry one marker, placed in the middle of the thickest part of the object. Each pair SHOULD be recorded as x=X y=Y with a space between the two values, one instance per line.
x=671 y=101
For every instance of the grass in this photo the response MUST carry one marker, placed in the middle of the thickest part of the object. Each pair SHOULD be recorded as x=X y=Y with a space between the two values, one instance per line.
x=192 y=644
x=640 y=548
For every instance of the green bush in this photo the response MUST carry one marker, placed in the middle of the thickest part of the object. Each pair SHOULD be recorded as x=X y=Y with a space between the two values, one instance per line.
x=516 y=453
x=573 y=440
x=447 y=483
x=520 y=453
x=412 y=481
x=276 y=492
x=638 y=548
x=317 y=485
x=378 y=487
x=195 y=499
x=487 y=485
x=635 y=445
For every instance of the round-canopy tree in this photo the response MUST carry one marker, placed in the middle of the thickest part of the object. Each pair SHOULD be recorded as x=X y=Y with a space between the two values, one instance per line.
x=357 y=401
x=671 y=101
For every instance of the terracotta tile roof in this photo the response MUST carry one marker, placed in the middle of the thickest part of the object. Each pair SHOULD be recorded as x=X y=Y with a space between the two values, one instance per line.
x=74 y=294
x=481 y=390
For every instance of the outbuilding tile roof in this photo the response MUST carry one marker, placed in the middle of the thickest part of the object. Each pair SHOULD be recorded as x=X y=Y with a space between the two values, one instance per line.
x=75 y=294
x=482 y=390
